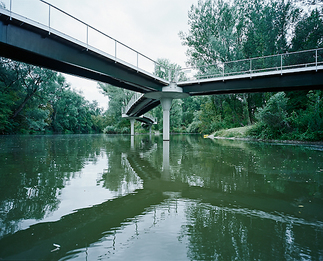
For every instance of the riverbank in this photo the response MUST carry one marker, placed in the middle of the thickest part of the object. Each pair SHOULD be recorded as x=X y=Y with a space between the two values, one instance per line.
x=242 y=133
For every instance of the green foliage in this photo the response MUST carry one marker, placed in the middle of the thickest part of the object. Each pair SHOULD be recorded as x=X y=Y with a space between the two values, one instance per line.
x=110 y=130
x=168 y=71
x=118 y=98
x=273 y=114
x=309 y=32
x=33 y=100
x=301 y=124
x=36 y=119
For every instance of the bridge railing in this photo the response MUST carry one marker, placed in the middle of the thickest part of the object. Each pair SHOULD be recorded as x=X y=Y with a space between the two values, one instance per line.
x=132 y=101
x=150 y=117
x=277 y=63
x=57 y=20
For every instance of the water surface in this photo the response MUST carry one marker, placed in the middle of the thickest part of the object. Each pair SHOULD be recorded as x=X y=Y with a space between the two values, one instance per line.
x=101 y=197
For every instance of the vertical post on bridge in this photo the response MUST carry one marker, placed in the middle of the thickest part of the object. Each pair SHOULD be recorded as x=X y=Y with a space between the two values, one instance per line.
x=316 y=59
x=10 y=10
x=48 y=19
x=166 y=103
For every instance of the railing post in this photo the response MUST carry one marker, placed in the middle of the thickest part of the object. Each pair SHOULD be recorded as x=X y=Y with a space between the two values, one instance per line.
x=137 y=60
x=281 y=64
x=115 y=50
x=316 y=59
x=10 y=10
x=250 y=68
x=223 y=71
x=87 y=37
x=48 y=19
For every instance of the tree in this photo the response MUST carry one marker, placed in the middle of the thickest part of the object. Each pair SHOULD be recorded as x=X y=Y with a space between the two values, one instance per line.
x=273 y=116
x=308 y=32
x=118 y=98
x=34 y=99
x=25 y=88
x=215 y=33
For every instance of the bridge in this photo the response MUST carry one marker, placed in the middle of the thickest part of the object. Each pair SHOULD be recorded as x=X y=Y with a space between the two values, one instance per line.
x=44 y=44
x=137 y=109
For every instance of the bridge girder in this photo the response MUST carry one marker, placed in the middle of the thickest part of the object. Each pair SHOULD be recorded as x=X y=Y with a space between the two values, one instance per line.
x=34 y=45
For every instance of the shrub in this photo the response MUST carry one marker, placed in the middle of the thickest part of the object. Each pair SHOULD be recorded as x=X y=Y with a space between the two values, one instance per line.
x=125 y=130
x=109 y=130
x=272 y=118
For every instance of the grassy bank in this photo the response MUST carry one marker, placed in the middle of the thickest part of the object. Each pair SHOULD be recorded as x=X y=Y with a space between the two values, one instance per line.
x=244 y=133
x=241 y=132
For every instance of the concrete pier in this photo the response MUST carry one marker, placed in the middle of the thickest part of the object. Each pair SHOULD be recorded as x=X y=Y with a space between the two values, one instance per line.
x=166 y=96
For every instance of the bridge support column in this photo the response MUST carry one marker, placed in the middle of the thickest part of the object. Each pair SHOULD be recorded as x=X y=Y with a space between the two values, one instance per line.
x=166 y=167
x=132 y=127
x=166 y=103
x=166 y=96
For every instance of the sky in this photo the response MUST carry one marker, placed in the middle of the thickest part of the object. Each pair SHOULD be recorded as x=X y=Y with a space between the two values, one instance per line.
x=149 y=26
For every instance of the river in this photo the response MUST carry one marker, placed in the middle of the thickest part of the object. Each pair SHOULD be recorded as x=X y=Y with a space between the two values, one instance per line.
x=102 y=197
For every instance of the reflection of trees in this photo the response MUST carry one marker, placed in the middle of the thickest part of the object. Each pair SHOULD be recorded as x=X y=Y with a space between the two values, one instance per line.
x=77 y=230
x=251 y=168
x=116 y=177
x=43 y=164
x=118 y=163
x=217 y=233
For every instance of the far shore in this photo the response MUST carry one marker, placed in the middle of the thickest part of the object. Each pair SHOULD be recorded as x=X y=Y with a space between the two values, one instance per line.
x=241 y=134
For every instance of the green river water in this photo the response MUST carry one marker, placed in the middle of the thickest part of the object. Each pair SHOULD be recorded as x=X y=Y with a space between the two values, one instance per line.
x=101 y=197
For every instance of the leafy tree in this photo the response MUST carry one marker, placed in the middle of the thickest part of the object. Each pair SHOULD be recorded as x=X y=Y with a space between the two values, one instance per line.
x=118 y=98
x=215 y=33
x=34 y=99
x=24 y=89
x=309 y=32
x=168 y=71
x=273 y=116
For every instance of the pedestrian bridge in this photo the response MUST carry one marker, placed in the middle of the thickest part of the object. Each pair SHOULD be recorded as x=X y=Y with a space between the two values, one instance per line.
x=110 y=61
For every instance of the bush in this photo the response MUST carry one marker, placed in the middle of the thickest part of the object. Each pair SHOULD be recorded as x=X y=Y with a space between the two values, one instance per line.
x=125 y=130
x=272 y=118
x=194 y=127
x=109 y=130
x=274 y=114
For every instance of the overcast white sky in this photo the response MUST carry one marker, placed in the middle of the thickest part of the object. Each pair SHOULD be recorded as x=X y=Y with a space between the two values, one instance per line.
x=148 y=26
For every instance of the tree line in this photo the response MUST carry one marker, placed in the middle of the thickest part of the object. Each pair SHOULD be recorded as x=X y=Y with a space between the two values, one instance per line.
x=34 y=99
x=38 y=100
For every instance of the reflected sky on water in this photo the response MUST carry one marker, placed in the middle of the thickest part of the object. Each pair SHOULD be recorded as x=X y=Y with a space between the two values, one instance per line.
x=102 y=197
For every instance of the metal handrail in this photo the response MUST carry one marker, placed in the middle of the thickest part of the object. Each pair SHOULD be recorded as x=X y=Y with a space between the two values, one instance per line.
x=150 y=117
x=116 y=42
x=132 y=101
x=251 y=67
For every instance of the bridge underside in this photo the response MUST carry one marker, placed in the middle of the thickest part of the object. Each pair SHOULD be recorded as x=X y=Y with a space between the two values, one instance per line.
x=141 y=106
x=286 y=80
x=32 y=44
